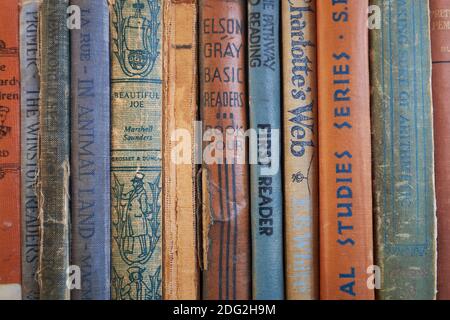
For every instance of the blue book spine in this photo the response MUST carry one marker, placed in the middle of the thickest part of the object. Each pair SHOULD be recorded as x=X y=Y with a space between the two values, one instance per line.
x=90 y=148
x=265 y=119
x=29 y=73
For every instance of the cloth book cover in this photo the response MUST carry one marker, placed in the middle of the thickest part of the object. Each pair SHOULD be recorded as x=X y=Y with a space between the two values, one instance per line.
x=265 y=172
x=300 y=128
x=10 y=177
x=181 y=276
x=54 y=151
x=346 y=234
x=223 y=108
x=136 y=161
x=29 y=94
x=440 y=44
x=90 y=145
x=402 y=126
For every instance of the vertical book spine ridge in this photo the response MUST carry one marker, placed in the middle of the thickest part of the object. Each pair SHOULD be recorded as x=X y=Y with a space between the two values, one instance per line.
x=404 y=196
x=54 y=151
x=90 y=116
x=10 y=266
x=266 y=187
x=180 y=258
x=223 y=105
x=300 y=128
x=136 y=161
x=29 y=64
x=346 y=235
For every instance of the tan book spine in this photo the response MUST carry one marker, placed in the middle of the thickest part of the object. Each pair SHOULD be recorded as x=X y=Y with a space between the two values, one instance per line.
x=180 y=263
x=301 y=150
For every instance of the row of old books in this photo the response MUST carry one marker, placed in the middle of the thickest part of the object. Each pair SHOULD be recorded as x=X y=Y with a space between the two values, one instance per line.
x=224 y=149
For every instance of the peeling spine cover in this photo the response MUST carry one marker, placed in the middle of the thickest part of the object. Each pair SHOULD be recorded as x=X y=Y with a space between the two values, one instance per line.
x=180 y=263
x=404 y=196
x=136 y=161
x=54 y=151
x=223 y=104
x=440 y=42
x=9 y=151
x=301 y=198
x=90 y=180
x=29 y=64
x=346 y=244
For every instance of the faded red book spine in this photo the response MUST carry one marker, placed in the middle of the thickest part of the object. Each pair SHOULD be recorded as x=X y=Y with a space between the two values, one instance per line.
x=440 y=49
x=9 y=151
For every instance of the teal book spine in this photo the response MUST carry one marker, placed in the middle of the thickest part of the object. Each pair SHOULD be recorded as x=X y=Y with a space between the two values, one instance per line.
x=136 y=161
x=265 y=174
x=29 y=74
x=402 y=127
x=54 y=151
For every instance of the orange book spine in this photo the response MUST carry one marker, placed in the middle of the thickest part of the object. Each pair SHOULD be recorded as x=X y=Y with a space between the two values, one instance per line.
x=9 y=151
x=346 y=244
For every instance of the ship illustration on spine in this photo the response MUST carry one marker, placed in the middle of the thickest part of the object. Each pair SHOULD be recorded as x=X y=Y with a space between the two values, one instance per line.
x=54 y=151
x=301 y=149
x=265 y=119
x=90 y=104
x=29 y=72
x=136 y=107
x=402 y=125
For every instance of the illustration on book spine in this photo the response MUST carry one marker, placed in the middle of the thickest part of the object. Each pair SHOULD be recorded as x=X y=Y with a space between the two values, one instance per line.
x=136 y=149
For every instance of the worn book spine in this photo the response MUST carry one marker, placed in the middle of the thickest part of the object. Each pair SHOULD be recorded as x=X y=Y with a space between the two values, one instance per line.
x=301 y=181
x=346 y=245
x=265 y=120
x=90 y=158
x=136 y=120
x=29 y=94
x=404 y=197
x=223 y=106
x=440 y=45
x=54 y=151
x=181 y=277
x=10 y=269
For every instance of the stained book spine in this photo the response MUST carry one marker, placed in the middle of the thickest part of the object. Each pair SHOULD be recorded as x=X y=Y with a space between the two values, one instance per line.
x=301 y=182
x=29 y=74
x=10 y=278
x=266 y=186
x=180 y=259
x=403 y=151
x=136 y=113
x=223 y=101
x=90 y=132
x=54 y=150
x=440 y=42
x=346 y=248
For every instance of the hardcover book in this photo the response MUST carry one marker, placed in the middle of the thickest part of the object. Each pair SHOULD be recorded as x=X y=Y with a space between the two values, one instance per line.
x=301 y=152
x=54 y=151
x=346 y=246
x=136 y=113
x=404 y=198
x=265 y=180
x=90 y=130
x=10 y=270
x=223 y=106
x=440 y=44
x=181 y=278
x=29 y=75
